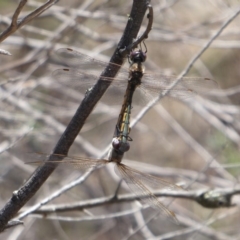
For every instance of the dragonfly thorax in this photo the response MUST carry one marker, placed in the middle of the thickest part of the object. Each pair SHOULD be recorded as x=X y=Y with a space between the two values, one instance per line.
x=136 y=73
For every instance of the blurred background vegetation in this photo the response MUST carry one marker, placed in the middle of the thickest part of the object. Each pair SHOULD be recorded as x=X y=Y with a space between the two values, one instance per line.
x=35 y=109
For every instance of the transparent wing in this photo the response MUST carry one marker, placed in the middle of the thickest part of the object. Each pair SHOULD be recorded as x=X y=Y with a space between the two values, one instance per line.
x=82 y=78
x=86 y=70
x=138 y=182
x=83 y=163
x=187 y=87
x=82 y=61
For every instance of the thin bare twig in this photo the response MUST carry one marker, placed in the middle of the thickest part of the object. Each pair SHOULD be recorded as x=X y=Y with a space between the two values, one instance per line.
x=214 y=198
x=91 y=218
x=5 y=52
x=56 y=194
x=16 y=24
x=143 y=36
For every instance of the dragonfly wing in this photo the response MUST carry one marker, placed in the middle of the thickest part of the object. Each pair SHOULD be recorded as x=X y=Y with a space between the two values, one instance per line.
x=83 y=163
x=152 y=181
x=65 y=75
x=79 y=60
x=78 y=78
x=187 y=86
x=134 y=180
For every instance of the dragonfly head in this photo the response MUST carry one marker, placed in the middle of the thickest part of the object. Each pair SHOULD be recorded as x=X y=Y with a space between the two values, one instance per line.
x=137 y=55
x=120 y=146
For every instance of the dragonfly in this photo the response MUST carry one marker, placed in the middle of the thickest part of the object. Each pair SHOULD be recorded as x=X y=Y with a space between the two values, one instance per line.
x=85 y=70
x=140 y=183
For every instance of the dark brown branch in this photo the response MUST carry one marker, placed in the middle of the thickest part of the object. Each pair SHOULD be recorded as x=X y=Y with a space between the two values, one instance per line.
x=21 y=196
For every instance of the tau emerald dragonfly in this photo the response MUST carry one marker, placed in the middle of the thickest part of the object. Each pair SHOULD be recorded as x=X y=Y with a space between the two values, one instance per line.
x=82 y=70
x=140 y=183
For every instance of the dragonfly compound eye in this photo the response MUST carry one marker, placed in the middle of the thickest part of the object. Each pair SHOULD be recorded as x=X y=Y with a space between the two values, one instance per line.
x=121 y=146
x=116 y=143
x=124 y=147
